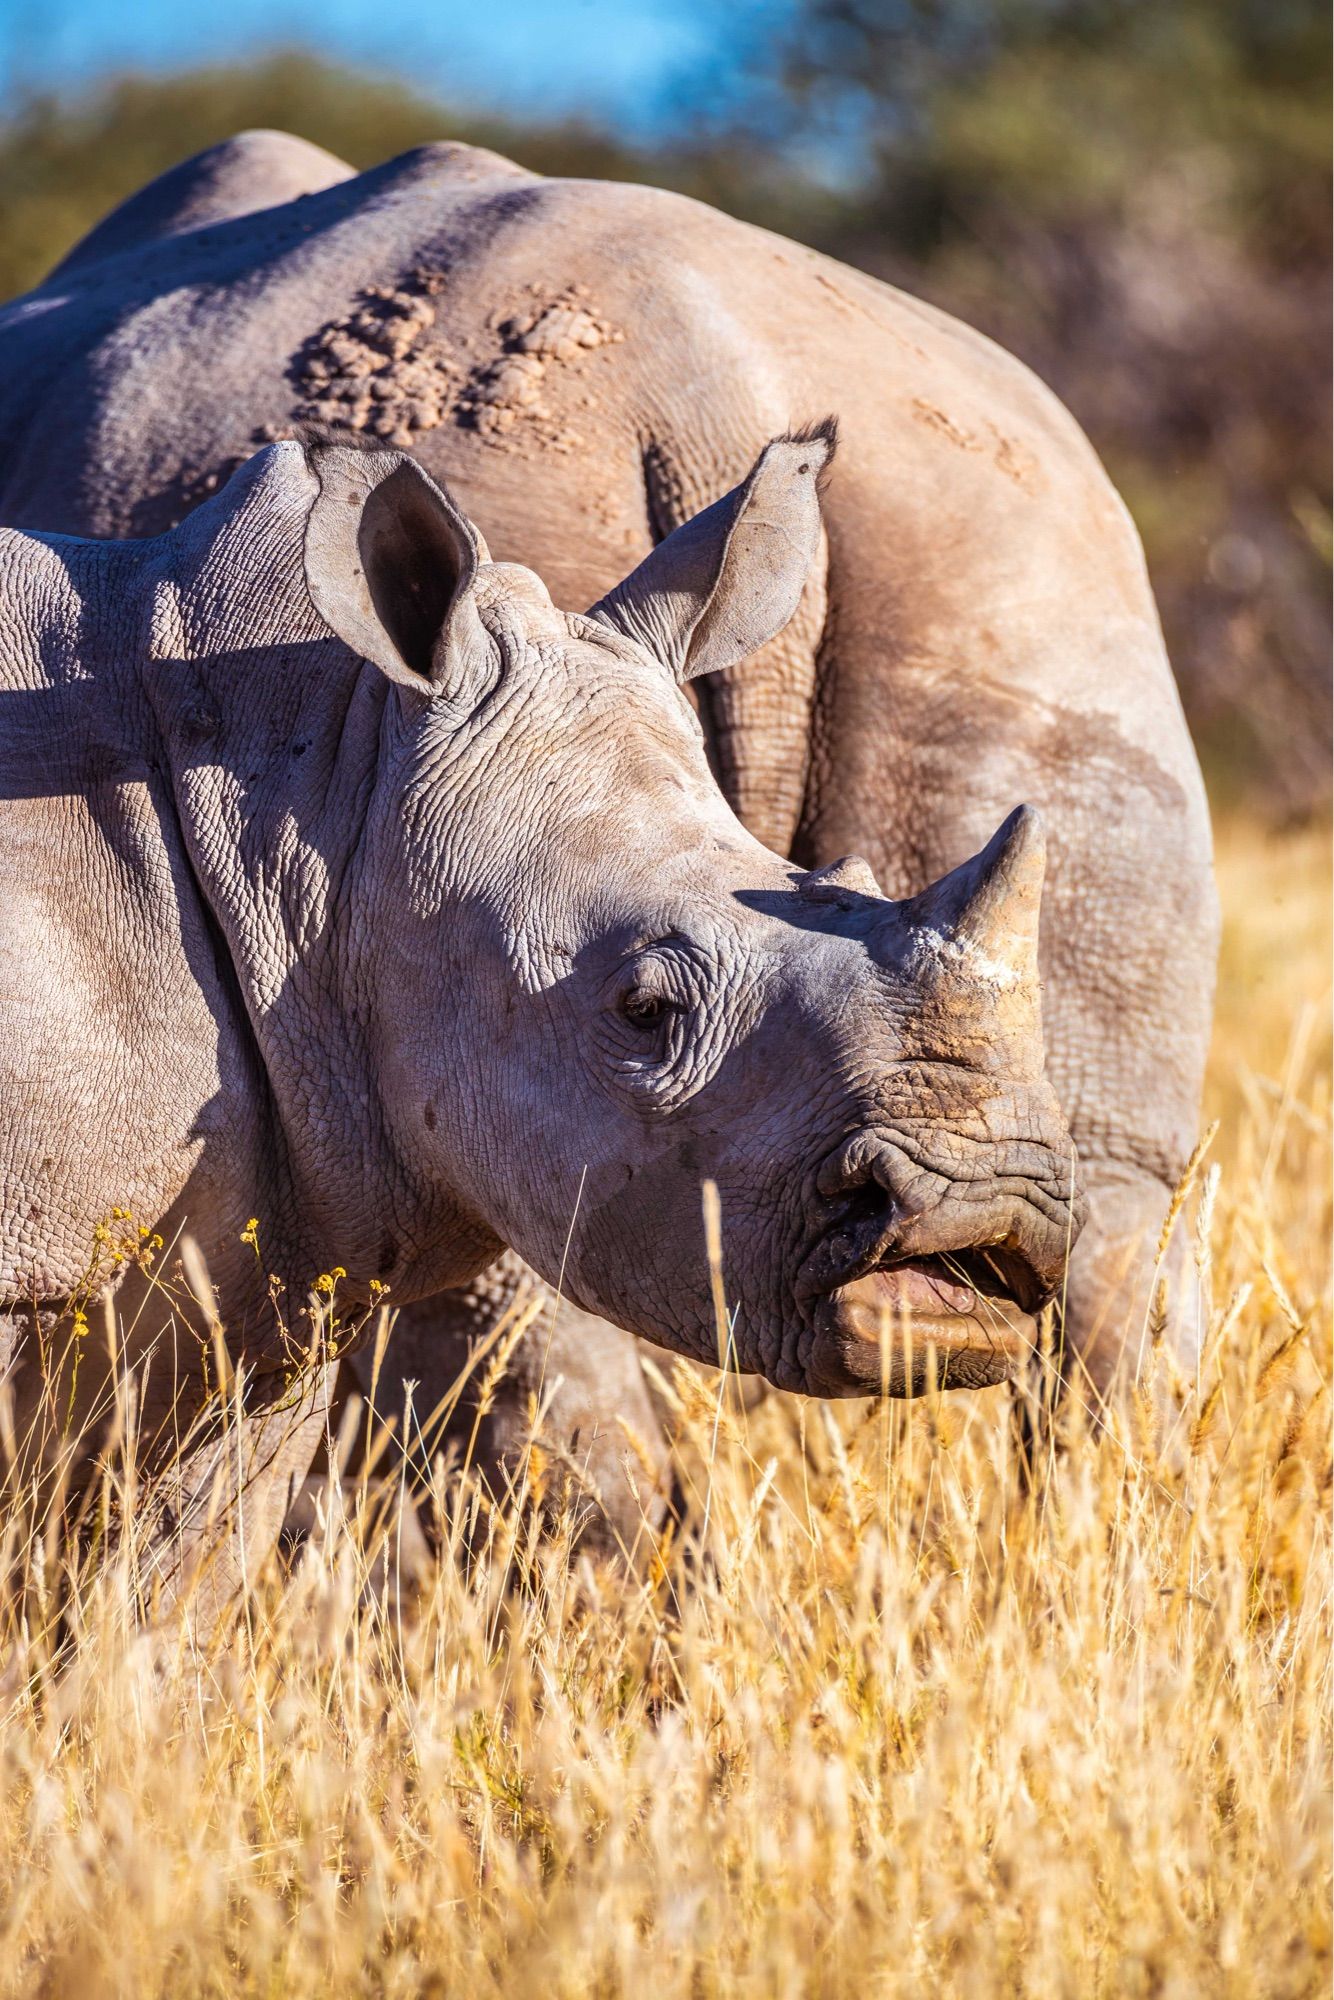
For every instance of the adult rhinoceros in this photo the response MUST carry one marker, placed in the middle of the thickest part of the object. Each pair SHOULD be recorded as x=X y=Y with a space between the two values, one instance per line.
x=587 y=365
x=352 y=886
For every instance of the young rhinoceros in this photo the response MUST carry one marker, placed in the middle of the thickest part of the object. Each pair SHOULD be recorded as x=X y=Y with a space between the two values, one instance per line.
x=353 y=886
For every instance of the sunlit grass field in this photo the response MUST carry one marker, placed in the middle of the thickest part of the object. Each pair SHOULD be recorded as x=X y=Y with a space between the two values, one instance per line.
x=883 y=1717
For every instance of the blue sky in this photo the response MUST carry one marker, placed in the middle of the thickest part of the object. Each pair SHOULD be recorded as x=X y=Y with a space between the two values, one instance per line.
x=613 y=59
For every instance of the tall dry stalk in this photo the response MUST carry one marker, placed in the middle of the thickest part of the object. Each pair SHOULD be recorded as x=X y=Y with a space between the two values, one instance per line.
x=900 y=1721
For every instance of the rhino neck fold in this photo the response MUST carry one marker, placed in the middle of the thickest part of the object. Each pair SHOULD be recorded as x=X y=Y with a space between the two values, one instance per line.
x=276 y=755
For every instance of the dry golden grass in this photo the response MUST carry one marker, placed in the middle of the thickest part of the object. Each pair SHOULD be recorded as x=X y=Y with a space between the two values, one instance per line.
x=893 y=1722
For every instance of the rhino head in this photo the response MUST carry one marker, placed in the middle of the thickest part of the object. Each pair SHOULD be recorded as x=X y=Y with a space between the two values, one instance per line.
x=542 y=984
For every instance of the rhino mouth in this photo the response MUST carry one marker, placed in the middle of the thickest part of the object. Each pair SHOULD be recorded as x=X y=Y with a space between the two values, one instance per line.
x=959 y=1319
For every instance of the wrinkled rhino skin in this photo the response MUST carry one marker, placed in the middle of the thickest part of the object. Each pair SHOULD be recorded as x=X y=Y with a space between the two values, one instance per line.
x=587 y=364
x=353 y=886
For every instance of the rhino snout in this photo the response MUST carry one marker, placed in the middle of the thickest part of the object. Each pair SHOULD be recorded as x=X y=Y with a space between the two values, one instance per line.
x=924 y=1276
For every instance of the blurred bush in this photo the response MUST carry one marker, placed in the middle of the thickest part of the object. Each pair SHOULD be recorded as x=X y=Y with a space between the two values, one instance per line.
x=1132 y=195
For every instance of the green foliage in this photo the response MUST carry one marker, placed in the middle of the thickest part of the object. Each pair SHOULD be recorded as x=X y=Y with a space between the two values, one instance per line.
x=1069 y=108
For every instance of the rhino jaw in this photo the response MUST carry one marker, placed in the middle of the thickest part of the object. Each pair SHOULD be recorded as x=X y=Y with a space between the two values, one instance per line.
x=913 y=1325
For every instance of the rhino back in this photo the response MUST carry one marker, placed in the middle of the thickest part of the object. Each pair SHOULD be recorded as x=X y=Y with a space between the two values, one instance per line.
x=251 y=171
x=585 y=363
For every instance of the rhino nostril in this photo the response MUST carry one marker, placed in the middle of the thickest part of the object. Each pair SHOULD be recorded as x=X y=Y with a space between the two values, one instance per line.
x=863 y=1207
x=991 y=1230
x=862 y=1212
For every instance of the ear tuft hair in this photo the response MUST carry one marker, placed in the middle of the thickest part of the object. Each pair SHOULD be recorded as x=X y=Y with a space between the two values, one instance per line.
x=316 y=437
x=824 y=433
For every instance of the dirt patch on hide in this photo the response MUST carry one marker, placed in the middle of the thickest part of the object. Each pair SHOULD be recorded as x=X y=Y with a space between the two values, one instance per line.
x=1010 y=457
x=384 y=368
x=501 y=392
x=380 y=369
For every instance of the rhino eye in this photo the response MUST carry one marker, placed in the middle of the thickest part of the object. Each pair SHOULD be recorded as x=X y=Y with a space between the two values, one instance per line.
x=644 y=1010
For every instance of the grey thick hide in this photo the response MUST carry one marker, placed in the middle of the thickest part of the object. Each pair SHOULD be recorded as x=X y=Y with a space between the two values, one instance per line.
x=589 y=364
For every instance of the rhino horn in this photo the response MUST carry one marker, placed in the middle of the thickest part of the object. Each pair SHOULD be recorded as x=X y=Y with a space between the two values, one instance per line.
x=980 y=923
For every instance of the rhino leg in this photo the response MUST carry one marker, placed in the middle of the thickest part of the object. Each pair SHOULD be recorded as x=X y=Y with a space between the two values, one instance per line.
x=1114 y=1309
x=222 y=1501
x=571 y=1413
x=211 y=1479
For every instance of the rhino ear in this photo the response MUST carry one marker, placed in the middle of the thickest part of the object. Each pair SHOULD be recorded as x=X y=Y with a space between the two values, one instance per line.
x=391 y=565
x=728 y=579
